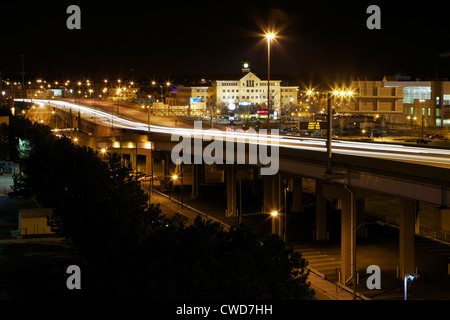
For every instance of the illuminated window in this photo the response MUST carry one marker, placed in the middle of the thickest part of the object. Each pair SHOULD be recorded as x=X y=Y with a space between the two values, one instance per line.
x=411 y=93
x=446 y=99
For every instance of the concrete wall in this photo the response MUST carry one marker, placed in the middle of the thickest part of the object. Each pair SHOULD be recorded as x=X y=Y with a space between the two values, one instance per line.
x=34 y=221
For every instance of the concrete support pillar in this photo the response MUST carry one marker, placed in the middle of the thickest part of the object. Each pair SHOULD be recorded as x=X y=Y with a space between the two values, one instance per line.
x=166 y=171
x=407 y=220
x=271 y=193
x=230 y=181
x=196 y=176
x=297 y=202
x=332 y=191
x=443 y=219
x=346 y=238
x=359 y=211
x=255 y=181
x=321 y=212
x=133 y=158
x=202 y=173
x=148 y=160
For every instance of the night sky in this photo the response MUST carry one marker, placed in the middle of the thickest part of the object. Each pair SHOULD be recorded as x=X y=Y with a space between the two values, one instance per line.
x=164 y=39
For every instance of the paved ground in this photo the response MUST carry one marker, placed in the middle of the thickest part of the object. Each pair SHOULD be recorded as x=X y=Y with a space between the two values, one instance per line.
x=380 y=247
x=431 y=257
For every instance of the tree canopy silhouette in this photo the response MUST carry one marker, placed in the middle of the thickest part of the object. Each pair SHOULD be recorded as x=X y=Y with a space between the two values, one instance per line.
x=132 y=248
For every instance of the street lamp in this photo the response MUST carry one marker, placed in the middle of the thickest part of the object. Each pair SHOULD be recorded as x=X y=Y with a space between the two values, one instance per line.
x=269 y=36
x=342 y=94
x=274 y=215
x=407 y=282
x=176 y=176
x=422 y=140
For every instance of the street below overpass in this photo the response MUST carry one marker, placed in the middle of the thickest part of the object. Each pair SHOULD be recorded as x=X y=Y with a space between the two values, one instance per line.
x=379 y=246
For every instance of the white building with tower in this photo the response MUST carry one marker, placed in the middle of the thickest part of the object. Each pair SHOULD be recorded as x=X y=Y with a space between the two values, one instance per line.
x=236 y=93
x=249 y=90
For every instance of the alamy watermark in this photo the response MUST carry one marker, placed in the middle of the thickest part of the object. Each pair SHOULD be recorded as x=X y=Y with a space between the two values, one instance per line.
x=374 y=280
x=374 y=21
x=249 y=147
x=74 y=20
x=74 y=280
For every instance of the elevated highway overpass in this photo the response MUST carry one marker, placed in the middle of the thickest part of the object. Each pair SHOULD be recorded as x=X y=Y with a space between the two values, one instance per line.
x=359 y=169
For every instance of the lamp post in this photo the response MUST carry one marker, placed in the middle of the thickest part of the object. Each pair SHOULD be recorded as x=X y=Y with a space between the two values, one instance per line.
x=407 y=282
x=168 y=84
x=422 y=140
x=275 y=219
x=412 y=119
x=329 y=135
x=342 y=94
x=176 y=176
x=269 y=36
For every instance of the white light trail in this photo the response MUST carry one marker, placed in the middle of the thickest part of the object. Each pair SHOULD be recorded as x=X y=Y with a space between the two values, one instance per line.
x=427 y=156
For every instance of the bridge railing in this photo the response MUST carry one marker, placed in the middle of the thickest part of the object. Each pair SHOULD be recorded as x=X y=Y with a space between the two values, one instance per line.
x=429 y=232
x=434 y=233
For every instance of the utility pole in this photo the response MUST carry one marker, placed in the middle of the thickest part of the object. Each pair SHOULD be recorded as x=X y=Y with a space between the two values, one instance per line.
x=329 y=134
x=23 y=74
x=268 y=84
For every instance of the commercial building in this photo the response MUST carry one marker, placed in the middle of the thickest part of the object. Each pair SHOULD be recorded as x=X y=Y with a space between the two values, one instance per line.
x=122 y=93
x=400 y=101
x=238 y=93
x=426 y=101
x=373 y=99
x=249 y=90
x=193 y=96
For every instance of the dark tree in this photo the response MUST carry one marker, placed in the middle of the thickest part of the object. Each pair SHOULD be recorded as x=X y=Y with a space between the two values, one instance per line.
x=134 y=250
x=203 y=261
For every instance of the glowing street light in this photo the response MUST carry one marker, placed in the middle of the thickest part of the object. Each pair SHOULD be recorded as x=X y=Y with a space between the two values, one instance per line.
x=342 y=94
x=269 y=36
x=175 y=178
